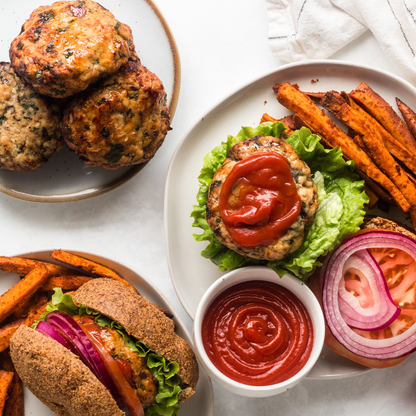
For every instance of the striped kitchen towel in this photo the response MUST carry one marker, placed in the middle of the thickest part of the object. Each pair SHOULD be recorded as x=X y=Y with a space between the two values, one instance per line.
x=315 y=29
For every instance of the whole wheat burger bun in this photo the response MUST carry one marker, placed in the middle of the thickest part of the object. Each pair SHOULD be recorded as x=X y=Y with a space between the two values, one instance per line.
x=58 y=378
x=65 y=384
x=141 y=320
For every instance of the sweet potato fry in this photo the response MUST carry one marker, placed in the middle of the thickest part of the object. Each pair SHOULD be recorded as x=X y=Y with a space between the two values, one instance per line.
x=6 y=378
x=400 y=152
x=381 y=110
x=265 y=117
x=288 y=122
x=23 y=290
x=300 y=104
x=7 y=331
x=32 y=304
x=15 y=402
x=374 y=143
x=409 y=116
x=318 y=95
x=35 y=313
x=64 y=282
x=23 y=266
x=88 y=266
x=376 y=188
x=372 y=196
x=359 y=140
x=315 y=95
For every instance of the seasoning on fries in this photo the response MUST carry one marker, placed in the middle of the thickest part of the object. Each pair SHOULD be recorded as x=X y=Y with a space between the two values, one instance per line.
x=382 y=111
x=23 y=266
x=6 y=378
x=23 y=290
x=64 y=282
x=7 y=331
x=409 y=116
x=15 y=402
x=88 y=266
x=374 y=144
x=320 y=123
x=33 y=303
x=400 y=152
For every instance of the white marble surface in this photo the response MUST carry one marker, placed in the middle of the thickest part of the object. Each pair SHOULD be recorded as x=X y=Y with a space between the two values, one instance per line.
x=222 y=44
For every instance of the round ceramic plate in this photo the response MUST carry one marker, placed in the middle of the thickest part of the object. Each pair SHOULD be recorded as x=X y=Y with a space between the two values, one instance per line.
x=65 y=177
x=190 y=272
x=201 y=403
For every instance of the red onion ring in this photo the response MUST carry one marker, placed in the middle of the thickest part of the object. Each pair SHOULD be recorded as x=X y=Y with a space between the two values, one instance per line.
x=50 y=331
x=70 y=329
x=384 y=349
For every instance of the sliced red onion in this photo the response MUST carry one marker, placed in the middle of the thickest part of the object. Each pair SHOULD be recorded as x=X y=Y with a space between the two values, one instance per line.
x=384 y=349
x=383 y=312
x=71 y=330
x=50 y=331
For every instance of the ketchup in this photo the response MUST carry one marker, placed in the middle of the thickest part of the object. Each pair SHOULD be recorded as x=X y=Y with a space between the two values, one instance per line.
x=257 y=333
x=259 y=201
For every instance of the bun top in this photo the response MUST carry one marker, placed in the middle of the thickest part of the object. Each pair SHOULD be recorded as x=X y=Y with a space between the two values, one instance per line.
x=58 y=377
x=380 y=223
x=141 y=320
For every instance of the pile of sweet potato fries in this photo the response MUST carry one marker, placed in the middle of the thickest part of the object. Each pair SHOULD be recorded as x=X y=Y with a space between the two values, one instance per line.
x=381 y=144
x=26 y=301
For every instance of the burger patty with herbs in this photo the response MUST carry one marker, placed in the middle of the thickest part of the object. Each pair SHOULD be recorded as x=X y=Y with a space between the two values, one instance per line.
x=29 y=124
x=121 y=121
x=262 y=199
x=65 y=47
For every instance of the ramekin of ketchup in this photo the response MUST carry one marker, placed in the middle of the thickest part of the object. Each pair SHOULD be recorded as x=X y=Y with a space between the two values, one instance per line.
x=257 y=334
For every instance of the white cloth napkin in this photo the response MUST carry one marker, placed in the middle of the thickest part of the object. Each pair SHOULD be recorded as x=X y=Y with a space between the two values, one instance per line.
x=315 y=29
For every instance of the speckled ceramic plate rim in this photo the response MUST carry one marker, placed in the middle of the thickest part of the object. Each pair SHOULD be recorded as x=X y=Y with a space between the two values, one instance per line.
x=203 y=393
x=134 y=170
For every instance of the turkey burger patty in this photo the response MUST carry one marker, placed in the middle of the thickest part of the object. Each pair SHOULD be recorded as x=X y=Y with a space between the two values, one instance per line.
x=29 y=124
x=121 y=121
x=292 y=237
x=65 y=47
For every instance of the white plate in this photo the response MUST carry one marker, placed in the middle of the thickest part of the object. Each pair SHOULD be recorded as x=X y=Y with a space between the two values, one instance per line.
x=65 y=177
x=201 y=403
x=190 y=272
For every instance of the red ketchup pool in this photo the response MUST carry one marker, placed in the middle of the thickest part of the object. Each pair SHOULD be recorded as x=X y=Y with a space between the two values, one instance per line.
x=259 y=200
x=257 y=333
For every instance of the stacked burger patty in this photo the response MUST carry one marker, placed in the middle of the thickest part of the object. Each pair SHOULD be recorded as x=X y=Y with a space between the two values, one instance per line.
x=74 y=76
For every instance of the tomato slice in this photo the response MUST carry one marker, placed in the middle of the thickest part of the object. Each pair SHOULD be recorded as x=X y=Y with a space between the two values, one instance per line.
x=125 y=368
x=332 y=343
x=399 y=270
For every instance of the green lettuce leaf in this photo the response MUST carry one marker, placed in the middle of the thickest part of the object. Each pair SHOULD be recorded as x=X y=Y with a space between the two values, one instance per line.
x=166 y=402
x=340 y=194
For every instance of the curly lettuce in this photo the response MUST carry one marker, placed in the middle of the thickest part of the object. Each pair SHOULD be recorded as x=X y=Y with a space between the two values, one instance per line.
x=166 y=402
x=340 y=194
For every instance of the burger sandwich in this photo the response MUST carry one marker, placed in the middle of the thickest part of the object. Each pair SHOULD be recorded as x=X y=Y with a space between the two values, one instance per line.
x=105 y=350
x=277 y=199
